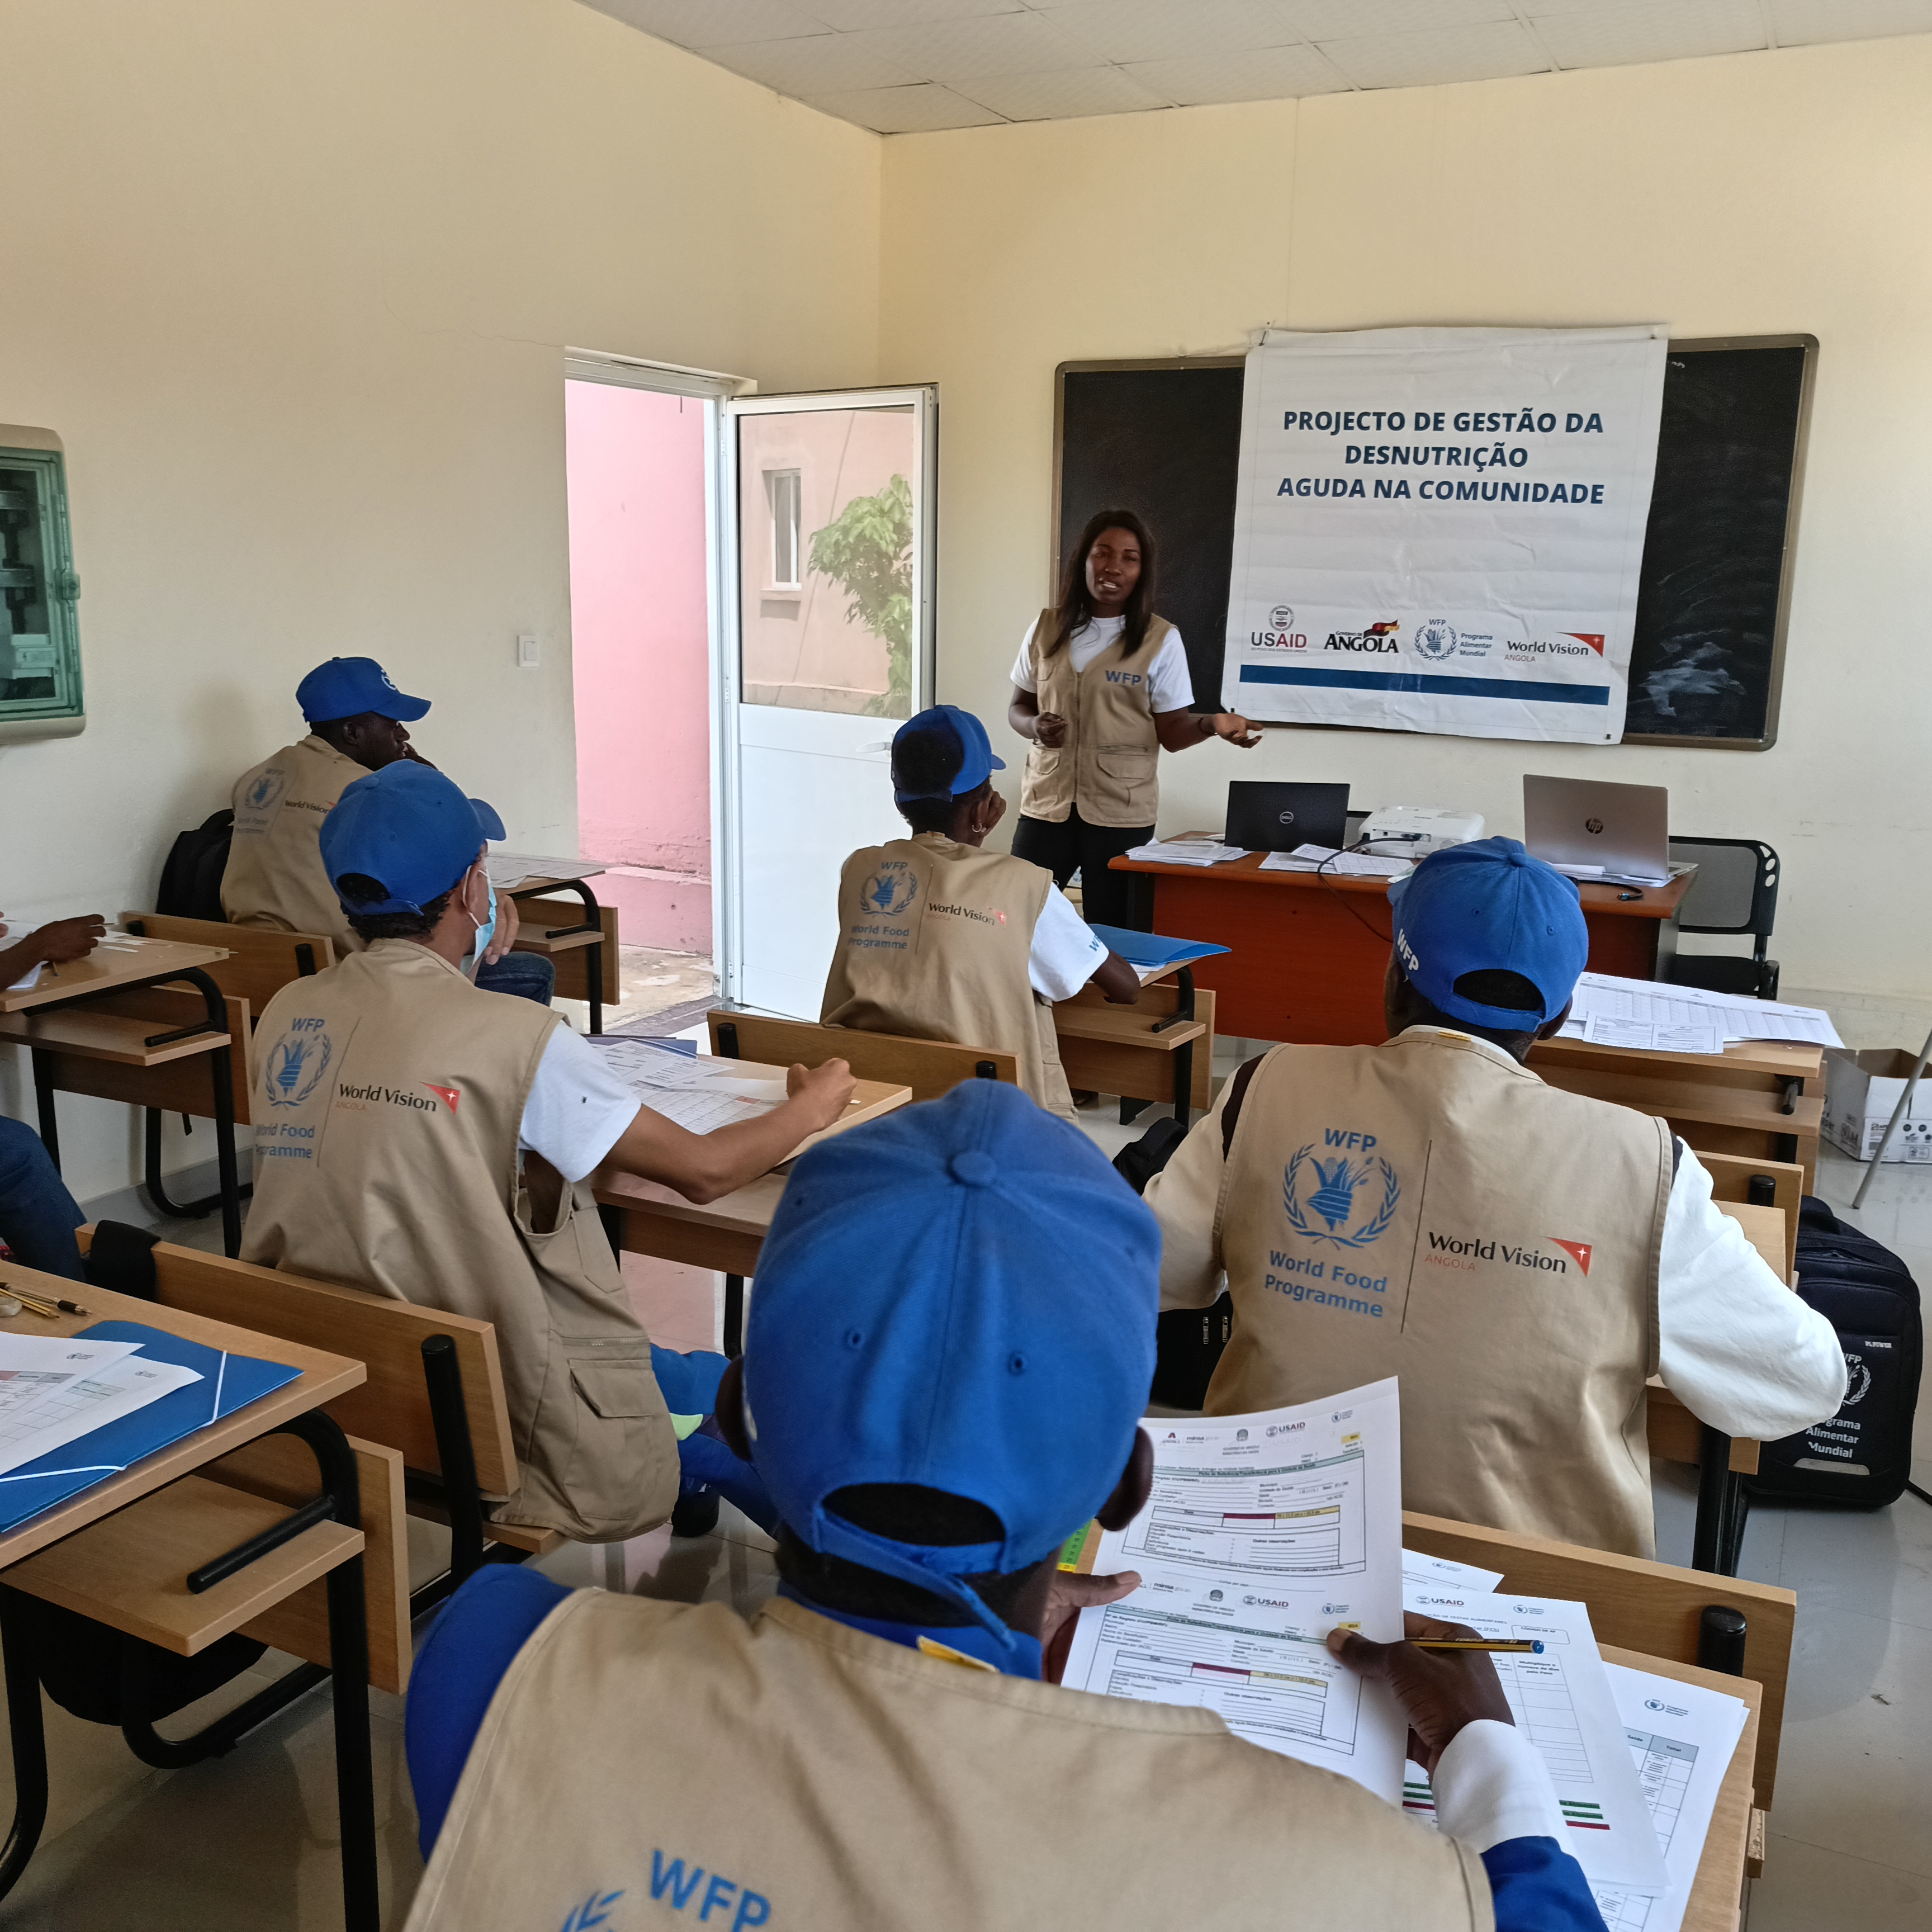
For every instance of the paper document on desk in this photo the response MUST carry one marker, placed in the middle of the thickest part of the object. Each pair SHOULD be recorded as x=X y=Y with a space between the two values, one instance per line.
x=34 y=1367
x=506 y=871
x=1663 y=1004
x=1189 y=852
x=1264 y=1532
x=1438 y=1572
x=85 y=1402
x=29 y=979
x=1654 y=1035
x=1562 y=1701
x=1332 y=863
x=698 y=1094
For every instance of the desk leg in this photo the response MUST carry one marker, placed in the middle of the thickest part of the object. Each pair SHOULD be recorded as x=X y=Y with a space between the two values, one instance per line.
x=29 y=1735
x=221 y=1071
x=1183 y=1084
x=1712 y=1540
x=43 y=1103
x=734 y=1315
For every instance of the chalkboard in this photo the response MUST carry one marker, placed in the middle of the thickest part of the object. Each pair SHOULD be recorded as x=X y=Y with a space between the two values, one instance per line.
x=1707 y=661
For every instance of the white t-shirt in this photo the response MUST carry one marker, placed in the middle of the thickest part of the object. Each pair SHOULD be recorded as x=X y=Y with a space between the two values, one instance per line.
x=1170 y=683
x=577 y=1110
x=1066 y=951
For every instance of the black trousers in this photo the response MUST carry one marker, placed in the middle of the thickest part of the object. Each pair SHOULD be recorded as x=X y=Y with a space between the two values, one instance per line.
x=1106 y=898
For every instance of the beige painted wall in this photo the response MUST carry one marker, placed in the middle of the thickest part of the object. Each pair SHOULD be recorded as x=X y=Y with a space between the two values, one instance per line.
x=292 y=281
x=1757 y=194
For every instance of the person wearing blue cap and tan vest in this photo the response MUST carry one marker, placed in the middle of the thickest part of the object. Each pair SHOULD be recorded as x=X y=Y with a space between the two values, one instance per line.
x=939 y=939
x=358 y=722
x=1523 y=1259
x=950 y=1348
x=417 y=1137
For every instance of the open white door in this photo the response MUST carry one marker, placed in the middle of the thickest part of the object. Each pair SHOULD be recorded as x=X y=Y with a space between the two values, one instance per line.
x=826 y=503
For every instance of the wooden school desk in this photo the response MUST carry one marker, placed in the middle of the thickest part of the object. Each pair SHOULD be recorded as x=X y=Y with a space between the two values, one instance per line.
x=62 y=1017
x=581 y=945
x=1161 y=1049
x=645 y=1217
x=1306 y=955
x=296 y=1405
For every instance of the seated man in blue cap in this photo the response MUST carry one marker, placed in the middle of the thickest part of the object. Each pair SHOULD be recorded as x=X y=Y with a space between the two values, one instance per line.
x=1522 y=1258
x=357 y=721
x=939 y=939
x=950 y=1347
x=416 y=1137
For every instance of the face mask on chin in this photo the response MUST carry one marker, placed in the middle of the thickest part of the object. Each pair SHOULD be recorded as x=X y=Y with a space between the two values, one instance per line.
x=485 y=932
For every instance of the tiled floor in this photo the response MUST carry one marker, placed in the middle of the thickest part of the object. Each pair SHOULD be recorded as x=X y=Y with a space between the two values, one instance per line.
x=248 y=1843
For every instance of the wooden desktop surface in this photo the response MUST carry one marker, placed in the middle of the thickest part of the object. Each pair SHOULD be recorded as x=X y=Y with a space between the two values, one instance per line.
x=323 y=1377
x=116 y=961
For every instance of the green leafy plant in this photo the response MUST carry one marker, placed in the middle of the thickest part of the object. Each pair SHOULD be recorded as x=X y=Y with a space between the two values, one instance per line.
x=866 y=550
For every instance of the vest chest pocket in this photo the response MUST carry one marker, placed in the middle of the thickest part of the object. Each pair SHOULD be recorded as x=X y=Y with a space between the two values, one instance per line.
x=1132 y=764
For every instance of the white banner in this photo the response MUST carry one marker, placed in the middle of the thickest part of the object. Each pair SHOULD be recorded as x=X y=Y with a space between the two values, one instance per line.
x=1440 y=529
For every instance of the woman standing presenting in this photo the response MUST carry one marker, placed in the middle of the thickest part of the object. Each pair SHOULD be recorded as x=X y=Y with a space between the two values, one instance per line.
x=1101 y=685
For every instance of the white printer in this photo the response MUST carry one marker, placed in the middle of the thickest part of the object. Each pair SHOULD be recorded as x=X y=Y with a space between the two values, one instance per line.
x=1414 y=831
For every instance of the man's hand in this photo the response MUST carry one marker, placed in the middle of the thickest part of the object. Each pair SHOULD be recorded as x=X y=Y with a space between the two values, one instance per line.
x=1237 y=730
x=1049 y=730
x=505 y=936
x=820 y=1092
x=1066 y=1596
x=64 y=940
x=1439 y=1691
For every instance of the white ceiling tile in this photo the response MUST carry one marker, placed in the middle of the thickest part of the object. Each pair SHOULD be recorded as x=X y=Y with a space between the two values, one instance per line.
x=1268 y=73
x=1145 y=30
x=1486 y=51
x=1352 y=19
x=819 y=64
x=712 y=23
x=1064 y=95
x=847 y=15
x=1800 y=23
x=955 y=50
x=1648 y=30
x=922 y=110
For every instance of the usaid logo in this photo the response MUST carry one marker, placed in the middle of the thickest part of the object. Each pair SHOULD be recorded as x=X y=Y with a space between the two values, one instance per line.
x=1282 y=618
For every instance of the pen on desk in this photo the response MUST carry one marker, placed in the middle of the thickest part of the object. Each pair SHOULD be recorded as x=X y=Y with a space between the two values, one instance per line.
x=1531 y=1646
x=40 y=1305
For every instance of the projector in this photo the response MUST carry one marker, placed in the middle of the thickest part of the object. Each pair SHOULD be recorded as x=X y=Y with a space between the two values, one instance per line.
x=1414 y=831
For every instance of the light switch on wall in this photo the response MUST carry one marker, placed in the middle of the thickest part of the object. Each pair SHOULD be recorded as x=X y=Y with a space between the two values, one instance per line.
x=529 y=651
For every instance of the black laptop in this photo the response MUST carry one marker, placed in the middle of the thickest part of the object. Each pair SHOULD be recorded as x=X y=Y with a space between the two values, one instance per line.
x=1268 y=818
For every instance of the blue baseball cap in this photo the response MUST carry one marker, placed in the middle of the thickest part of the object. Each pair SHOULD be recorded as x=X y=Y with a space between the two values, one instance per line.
x=410 y=828
x=1489 y=906
x=347 y=687
x=960 y=1295
x=952 y=741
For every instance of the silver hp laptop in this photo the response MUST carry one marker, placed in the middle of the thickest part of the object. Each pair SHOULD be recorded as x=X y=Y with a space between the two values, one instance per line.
x=1618 y=833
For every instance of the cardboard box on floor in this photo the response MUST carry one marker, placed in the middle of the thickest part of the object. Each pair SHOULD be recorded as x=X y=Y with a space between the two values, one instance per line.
x=1860 y=1090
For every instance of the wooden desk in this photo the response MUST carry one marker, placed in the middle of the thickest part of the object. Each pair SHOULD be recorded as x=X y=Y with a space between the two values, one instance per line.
x=120 y=965
x=295 y=1406
x=1307 y=954
x=563 y=935
x=645 y=1217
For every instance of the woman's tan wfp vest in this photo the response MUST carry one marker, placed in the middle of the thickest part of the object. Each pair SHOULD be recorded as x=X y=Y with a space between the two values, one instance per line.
x=1107 y=766
x=274 y=875
x=934 y=939
x=387 y=1104
x=671 y=1765
x=1429 y=1209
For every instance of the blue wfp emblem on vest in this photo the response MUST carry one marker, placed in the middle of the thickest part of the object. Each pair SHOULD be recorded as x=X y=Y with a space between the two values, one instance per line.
x=1332 y=1197
x=596 y=1910
x=296 y=1063
x=889 y=890
x=259 y=800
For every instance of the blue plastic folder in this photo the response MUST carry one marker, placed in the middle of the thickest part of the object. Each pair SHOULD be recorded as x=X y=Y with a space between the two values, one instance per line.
x=1150 y=948
x=228 y=1382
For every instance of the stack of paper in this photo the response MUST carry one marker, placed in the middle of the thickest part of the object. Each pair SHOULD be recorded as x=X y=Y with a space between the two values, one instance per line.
x=699 y=1095
x=1150 y=954
x=1189 y=852
x=1332 y=864
x=508 y=870
x=1611 y=1012
x=54 y=1389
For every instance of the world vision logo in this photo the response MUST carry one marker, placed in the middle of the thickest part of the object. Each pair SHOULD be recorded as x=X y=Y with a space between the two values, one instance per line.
x=448 y=1095
x=1463 y=1251
x=1594 y=639
x=1579 y=1251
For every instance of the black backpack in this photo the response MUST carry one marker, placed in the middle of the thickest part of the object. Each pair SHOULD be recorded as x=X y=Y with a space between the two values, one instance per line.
x=191 y=879
x=1188 y=1342
x=1862 y=1458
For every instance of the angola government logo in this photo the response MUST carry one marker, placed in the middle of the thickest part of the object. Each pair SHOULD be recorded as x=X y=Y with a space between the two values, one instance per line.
x=295 y=1065
x=1333 y=1198
x=1436 y=639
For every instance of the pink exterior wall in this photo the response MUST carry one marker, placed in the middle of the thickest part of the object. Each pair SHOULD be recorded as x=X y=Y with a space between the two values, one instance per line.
x=634 y=462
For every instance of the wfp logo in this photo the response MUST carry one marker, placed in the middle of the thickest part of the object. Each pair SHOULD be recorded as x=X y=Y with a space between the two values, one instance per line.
x=886 y=892
x=296 y=1064
x=1436 y=639
x=1333 y=1197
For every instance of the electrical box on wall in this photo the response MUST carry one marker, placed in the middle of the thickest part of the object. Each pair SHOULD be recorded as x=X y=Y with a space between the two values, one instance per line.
x=40 y=634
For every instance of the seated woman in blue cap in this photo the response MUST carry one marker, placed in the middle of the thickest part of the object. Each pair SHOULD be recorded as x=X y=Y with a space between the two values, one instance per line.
x=939 y=939
x=418 y=1137
x=949 y=1351
x=1522 y=1258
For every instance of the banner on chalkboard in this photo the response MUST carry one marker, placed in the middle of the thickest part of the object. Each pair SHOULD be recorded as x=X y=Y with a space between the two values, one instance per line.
x=1441 y=529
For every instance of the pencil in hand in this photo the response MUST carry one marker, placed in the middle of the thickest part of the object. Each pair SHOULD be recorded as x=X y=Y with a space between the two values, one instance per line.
x=1527 y=1646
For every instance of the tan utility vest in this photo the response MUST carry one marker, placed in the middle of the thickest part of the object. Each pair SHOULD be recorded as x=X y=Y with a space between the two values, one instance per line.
x=933 y=942
x=387 y=1104
x=1107 y=766
x=1430 y=1210
x=274 y=875
x=795 y=1773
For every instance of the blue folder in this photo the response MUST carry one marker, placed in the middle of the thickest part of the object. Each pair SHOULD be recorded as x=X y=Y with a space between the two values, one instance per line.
x=1150 y=948
x=228 y=1382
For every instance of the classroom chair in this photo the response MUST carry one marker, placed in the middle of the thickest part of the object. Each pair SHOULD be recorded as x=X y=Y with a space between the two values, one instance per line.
x=1735 y=891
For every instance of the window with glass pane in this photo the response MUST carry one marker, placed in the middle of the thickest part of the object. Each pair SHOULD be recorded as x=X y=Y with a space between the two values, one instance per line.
x=826 y=601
